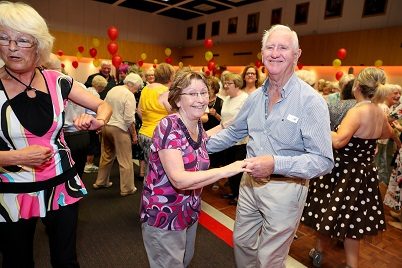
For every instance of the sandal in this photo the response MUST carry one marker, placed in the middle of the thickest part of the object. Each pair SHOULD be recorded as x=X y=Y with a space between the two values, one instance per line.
x=317 y=257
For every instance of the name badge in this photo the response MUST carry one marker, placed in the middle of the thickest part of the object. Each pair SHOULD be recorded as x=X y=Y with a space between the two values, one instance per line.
x=292 y=118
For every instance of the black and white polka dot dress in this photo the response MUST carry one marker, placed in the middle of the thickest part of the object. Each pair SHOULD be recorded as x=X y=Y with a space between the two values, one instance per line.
x=347 y=202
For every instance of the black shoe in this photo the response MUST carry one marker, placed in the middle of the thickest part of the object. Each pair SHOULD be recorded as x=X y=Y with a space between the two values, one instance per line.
x=233 y=202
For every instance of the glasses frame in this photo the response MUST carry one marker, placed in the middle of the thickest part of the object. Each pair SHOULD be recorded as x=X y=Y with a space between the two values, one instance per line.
x=17 y=42
x=228 y=83
x=197 y=94
x=251 y=73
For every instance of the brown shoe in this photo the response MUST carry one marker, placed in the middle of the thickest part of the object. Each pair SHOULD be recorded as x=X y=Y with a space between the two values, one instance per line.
x=397 y=225
x=107 y=185
x=128 y=193
x=395 y=215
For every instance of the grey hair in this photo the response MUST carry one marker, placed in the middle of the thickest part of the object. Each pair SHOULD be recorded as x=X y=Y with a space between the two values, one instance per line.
x=283 y=28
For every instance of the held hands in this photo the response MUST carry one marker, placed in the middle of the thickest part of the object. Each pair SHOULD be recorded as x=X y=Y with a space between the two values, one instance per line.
x=88 y=122
x=236 y=167
x=260 y=166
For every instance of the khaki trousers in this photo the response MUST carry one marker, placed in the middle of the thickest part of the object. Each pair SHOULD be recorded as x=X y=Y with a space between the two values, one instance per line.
x=116 y=143
x=267 y=217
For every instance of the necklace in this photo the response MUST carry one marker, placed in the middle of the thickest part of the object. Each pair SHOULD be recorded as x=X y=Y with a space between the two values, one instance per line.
x=212 y=103
x=27 y=87
x=195 y=133
x=362 y=102
x=195 y=144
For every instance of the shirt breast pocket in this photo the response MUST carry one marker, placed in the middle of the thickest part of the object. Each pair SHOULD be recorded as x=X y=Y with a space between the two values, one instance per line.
x=286 y=132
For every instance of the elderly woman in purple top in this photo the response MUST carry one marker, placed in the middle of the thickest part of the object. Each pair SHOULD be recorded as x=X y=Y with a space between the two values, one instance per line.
x=178 y=169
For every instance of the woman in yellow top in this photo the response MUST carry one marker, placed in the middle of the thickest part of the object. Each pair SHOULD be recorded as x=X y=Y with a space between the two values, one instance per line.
x=153 y=106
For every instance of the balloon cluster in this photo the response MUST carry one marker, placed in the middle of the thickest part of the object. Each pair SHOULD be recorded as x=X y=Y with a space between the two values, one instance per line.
x=143 y=57
x=168 y=52
x=112 y=46
x=341 y=55
x=209 y=56
x=93 y=51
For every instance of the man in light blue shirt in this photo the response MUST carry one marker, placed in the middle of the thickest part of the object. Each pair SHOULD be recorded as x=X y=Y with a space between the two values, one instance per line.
x=287 y=122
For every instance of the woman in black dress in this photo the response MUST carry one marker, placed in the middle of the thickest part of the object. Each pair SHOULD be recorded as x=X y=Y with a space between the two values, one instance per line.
x=347 y=204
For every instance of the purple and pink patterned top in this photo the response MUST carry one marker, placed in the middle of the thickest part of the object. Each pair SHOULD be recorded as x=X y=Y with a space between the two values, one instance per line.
x=163 y=206
x=27 y=192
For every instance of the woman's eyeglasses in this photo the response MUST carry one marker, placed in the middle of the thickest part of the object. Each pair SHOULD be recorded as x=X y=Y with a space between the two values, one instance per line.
x=228 y=83
x=251 y=74
x=203 y=94
x=20 y=42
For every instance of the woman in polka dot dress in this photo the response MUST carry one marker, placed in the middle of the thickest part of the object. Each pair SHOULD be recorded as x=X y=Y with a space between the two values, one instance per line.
x=346 y=204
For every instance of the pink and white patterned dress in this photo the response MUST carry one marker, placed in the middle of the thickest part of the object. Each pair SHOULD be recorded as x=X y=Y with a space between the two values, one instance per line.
x=27 y=192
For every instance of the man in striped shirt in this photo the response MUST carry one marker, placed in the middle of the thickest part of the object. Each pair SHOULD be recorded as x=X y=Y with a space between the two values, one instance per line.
x=290 y=142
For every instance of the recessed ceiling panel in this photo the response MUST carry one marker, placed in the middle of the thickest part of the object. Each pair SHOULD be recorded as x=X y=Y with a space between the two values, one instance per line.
x=180 y=9
x=179 y=14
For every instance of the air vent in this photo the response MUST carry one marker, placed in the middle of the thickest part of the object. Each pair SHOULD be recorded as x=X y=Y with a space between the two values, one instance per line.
x=242 y=53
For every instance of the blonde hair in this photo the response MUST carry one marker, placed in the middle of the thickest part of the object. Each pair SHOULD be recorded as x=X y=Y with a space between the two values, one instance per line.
x=164 y=73
x=345 y=79
x=99 y=81
x=236 y=78
x=53 y=63
x=368 y=80
x=23 y=18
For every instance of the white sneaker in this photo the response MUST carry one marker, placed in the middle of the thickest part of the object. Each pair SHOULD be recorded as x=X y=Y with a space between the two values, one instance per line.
x=89 y=168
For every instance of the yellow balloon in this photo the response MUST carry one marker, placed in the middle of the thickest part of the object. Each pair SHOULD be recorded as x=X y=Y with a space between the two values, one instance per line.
x=79 y=55
x=95 y=42
x=259 y=56
x=336 y=62
x=143 y=56
x=378 y=63
x=209 y=55
x=168 y=52
x=96 y=62
x=155 y=61
x=181 y=64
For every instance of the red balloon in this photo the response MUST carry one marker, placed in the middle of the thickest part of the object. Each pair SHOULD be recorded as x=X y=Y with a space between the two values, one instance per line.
x=169 y=60
x=80 y=49
x=116 y=61
x=207 y=72
x=154 y=65
x=211 y=65
x=113 y=33
x=258 y=63
x=112 y=47
x=75 y=64
x=338 y=75
x=60 y=52
x=341 y=53
x=300 y=66
x=62 y=65
x=93 y=52
x=208 y=43
x=140 y=63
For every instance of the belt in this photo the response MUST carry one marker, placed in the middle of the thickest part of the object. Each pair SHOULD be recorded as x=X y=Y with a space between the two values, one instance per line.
x=250 y=181
x=75 y=133
x=276 y=177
